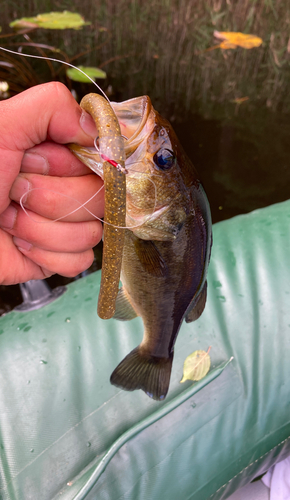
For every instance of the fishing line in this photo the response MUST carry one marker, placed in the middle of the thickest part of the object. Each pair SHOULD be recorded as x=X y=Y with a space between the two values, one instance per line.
x=61 y=62
x=69 y=197
x=83 y=205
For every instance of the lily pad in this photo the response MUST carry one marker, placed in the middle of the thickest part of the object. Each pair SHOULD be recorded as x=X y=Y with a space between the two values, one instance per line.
x=51 y=20
x=196 y=366
x=77 y=76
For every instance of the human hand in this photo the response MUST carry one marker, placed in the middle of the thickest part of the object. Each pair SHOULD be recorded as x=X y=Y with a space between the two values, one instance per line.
x=34 y=125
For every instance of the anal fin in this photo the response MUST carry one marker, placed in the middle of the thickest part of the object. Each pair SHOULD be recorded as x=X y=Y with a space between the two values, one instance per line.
x=140 y=370
x=124 y=310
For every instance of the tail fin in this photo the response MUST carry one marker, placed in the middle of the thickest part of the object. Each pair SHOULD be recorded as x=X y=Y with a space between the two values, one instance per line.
x=140 y=370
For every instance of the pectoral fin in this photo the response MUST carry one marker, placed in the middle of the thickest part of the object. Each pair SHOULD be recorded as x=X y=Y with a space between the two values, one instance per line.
x=197 y=306
x=124 y=311
x=150 y=257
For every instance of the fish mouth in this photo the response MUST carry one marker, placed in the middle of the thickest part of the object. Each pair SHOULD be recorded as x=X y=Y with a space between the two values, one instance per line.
x=133 y=117
x=89 y=156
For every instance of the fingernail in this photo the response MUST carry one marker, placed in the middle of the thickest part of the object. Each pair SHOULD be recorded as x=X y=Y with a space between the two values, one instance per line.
x=8 y=217
x=22 y=244
x=88 y=124
x=32 y=162
x=20 y=187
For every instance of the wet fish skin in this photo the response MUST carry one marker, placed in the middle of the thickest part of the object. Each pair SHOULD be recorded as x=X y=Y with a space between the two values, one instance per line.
x=165 y=260
x=166 y=248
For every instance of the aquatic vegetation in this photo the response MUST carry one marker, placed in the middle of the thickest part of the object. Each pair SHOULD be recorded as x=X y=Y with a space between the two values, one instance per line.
x=162 y=51
x=94 y=73
x=51 y=20
x=19 y=74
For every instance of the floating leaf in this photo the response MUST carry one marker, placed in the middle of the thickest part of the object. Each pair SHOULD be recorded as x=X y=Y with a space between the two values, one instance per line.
x=240 y=100
x=51 y=20
x=77 y=76
x=196 y=366
x=232 y=39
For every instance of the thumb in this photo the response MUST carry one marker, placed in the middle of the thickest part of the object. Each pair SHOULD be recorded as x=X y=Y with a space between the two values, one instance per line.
x=44 y=112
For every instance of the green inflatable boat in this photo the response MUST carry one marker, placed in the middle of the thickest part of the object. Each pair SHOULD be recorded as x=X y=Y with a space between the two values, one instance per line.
x=67 y=433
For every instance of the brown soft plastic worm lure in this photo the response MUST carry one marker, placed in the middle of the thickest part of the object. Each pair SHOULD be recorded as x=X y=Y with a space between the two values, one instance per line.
x=111 y=144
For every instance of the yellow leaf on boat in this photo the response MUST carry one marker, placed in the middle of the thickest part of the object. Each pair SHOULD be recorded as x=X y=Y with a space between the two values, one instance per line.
x=233 y=39
x=196 y=366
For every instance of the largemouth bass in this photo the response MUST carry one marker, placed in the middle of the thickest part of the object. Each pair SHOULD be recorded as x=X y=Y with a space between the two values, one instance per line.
x=167 y=243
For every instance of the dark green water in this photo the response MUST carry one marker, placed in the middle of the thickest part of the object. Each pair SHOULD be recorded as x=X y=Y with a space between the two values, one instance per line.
x=244 y=160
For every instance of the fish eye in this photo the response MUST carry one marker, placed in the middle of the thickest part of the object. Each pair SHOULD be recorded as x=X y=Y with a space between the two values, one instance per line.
x=164 y=159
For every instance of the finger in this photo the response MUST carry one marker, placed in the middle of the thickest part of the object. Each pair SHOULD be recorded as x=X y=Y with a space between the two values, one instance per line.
x=65 y=264
x=23 y=268
x=48 y=112
x=55 y=197
x=60 y=237
x=53 y=159
x=44 y=112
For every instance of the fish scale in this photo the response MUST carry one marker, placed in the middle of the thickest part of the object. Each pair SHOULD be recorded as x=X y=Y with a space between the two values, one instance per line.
x=167 y=244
